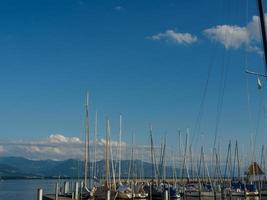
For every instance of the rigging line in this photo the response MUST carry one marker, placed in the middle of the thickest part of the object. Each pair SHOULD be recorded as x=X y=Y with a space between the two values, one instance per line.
x=221 y=93
x=214 y=50
x=220 y=98
x=202 y=103
x=204 y=95
x=250 y=117
x=225 y=67
x=261 y=100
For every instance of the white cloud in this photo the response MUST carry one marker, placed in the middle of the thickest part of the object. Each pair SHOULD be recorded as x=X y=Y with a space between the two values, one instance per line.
x=229 y=36
x=176 y=37
x=58 y=138
x=234 y=37
x=55 y=146
x=112 y=143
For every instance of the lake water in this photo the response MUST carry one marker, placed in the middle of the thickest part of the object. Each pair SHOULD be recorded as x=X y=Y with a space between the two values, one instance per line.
x=27 y=189
x=24 y=189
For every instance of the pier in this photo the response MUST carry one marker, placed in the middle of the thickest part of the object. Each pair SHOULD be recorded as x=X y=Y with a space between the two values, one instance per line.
x=53 y=197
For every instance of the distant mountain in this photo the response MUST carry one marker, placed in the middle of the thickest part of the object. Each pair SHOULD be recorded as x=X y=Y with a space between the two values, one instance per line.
x=18 y=167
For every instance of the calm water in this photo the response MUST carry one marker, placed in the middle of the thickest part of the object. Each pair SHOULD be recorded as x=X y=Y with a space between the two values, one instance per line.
x=27 y=189
x=24 y=189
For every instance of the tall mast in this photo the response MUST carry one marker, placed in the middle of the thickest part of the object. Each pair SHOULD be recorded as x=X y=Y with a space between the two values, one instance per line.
x=111 y=159
x=120 y=133
x=228 y=161
x=86 y=171
x=191 y=160
x=238 y=161
x=179 y=153
x=184 y=159
x=95 y=146
x=163 y=159
x=152 y=152
x=263 y=31
x=107 y=157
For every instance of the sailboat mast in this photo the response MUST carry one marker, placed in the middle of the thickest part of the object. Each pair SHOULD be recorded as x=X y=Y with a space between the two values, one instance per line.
x=120 y=133
x=107 y=157
x=263 y=30
x=238 y=161
x=95 y=146
x=86 y=172
x=185 y=154
x=152 y=153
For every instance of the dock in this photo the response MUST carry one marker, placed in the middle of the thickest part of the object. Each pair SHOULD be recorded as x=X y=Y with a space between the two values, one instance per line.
x=53 y=197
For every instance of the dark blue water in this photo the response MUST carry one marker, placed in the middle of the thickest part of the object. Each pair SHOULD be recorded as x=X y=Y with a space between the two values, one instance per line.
x=24 y=189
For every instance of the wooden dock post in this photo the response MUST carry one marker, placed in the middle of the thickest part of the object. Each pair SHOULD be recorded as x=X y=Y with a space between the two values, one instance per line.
x=40 y=194
x=169 y=191
x=108 y=195
x=72 y=195
x=56 y=193
x=150 y=191
x=66 y=187
x=76 y=190
x=165 y=195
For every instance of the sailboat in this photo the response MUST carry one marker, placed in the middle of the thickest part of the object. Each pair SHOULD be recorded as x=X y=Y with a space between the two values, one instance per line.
x=104 y=190
x=87 y=192
x=110 y=190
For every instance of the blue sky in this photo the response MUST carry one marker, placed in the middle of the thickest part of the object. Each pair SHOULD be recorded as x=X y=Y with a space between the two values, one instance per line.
x=134 y=58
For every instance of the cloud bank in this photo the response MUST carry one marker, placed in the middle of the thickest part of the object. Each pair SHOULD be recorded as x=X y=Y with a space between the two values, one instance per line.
x=56 y=147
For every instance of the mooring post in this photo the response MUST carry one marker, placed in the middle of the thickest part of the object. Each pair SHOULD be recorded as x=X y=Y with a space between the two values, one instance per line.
x=56 y=193
x=150 y=191
x=166 y=195
x=169 y=191
x=76 y=190
x=40 y=194
x=66 y=187
x=165 y=192
x=81 y=189
x=108 y=194
x=72 y=195
x=132 y=189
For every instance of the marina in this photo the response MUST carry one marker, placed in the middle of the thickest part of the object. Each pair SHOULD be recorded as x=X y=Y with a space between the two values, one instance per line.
x=133 y=95
x=193 y=176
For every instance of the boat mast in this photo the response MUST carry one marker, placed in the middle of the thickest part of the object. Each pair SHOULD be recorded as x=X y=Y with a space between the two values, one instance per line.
x=111 y=158
x=179 y=154
x=153 y=159
x=120 y=133
x=228 y=161
x=151 y=152
x=107 y=157
x=263 y=31
x=238 y=160
x=163 y=167
x=184 y=159
x=95 y=147
x=86 y=172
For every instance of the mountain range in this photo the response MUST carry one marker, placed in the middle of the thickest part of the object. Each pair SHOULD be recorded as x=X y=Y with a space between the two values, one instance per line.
x=19 y=167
